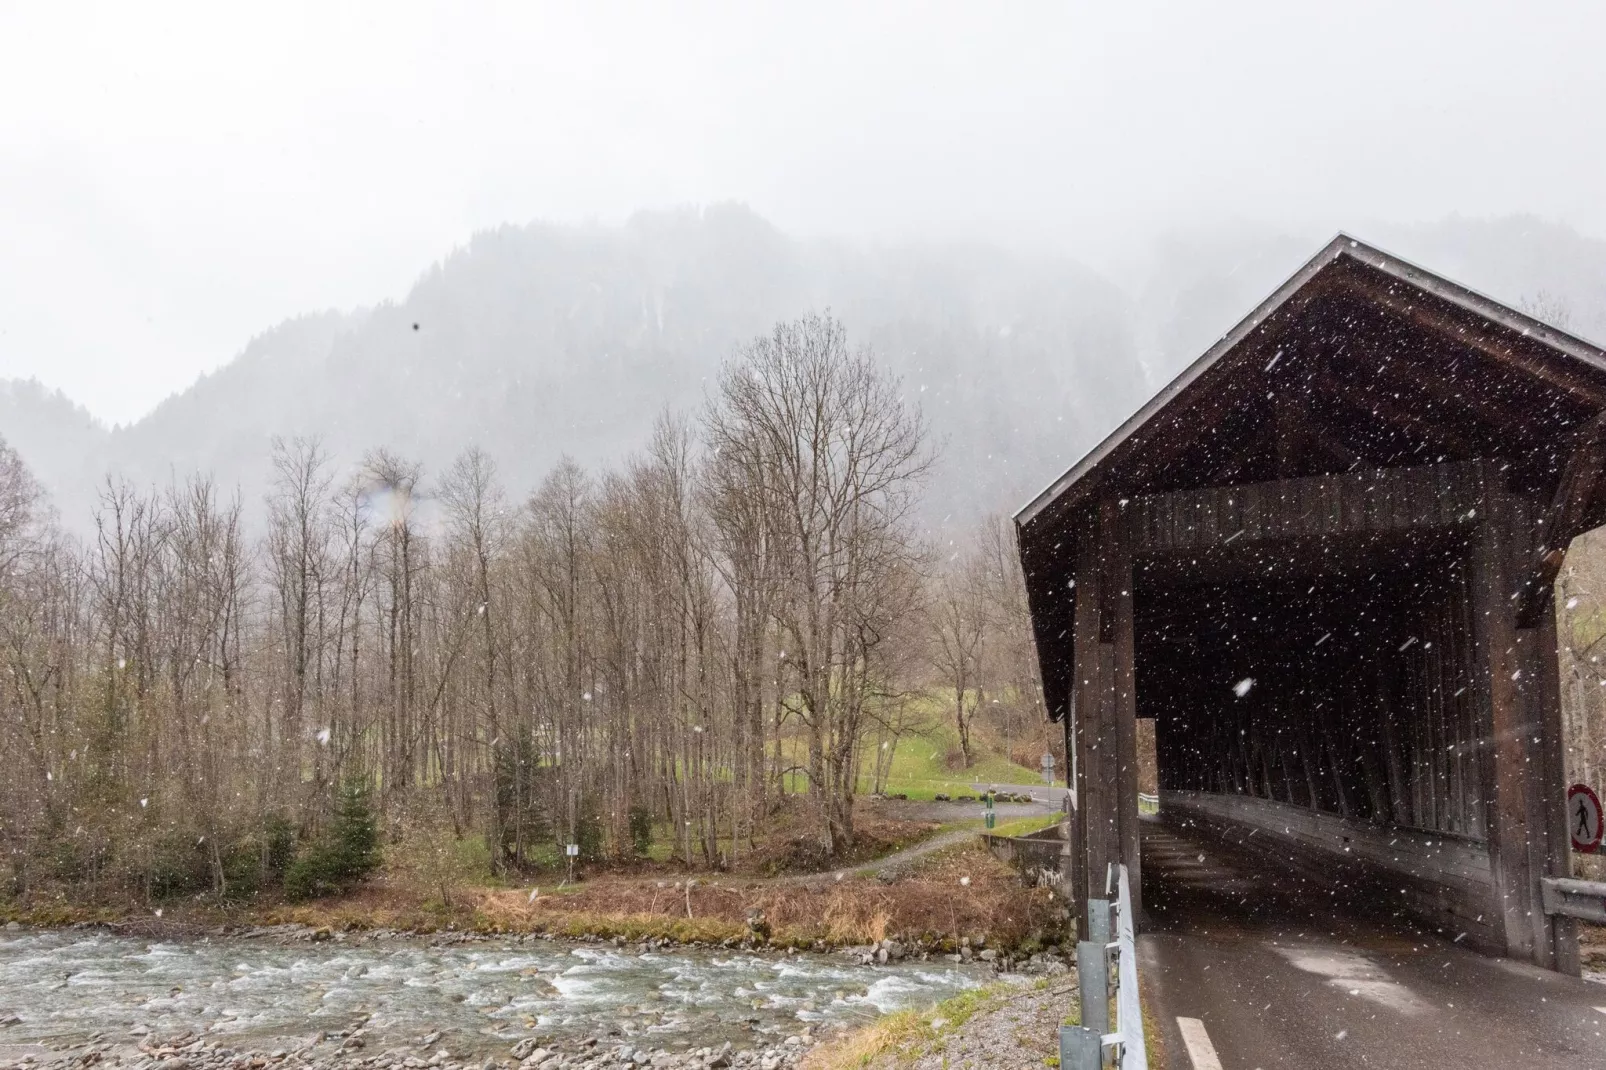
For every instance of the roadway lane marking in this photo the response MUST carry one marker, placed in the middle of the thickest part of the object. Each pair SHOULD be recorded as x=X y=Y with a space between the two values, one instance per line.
x=1201 y=1053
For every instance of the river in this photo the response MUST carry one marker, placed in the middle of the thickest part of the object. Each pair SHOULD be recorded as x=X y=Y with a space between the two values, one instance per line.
x=68 y=986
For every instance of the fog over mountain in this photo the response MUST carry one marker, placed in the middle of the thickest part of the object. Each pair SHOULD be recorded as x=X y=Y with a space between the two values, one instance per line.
x=543 y=340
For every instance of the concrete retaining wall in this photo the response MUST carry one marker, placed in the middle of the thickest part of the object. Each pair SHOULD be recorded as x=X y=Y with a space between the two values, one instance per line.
x=1036 y=856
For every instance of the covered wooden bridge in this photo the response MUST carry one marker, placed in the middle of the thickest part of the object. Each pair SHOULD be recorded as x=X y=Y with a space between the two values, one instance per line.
x=1322 y=560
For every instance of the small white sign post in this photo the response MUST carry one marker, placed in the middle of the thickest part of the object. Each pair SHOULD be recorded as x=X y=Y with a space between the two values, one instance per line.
x=1048 y=769
x=1584 y=818
x=573 y=851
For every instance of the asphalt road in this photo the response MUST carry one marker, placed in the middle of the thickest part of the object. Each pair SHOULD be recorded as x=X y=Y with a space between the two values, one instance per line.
x=1274 y=980
x=1053 y=796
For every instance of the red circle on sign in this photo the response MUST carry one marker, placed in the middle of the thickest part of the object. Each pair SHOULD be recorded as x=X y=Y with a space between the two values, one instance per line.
x=1600 y=818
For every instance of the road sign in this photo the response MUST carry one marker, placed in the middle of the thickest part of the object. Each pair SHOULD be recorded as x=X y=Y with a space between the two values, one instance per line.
x=574 y=850
x=1048 y=760
x=1583 y=817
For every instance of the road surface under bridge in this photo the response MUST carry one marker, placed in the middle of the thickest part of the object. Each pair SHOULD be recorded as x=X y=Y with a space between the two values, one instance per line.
x=1252 y=966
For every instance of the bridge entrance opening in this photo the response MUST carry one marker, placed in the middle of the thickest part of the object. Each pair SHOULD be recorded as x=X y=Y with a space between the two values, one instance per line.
x=1324 y=718
x=1320 y=564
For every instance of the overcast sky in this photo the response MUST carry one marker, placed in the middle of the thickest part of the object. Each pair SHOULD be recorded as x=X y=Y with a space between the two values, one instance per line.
x=173 y=181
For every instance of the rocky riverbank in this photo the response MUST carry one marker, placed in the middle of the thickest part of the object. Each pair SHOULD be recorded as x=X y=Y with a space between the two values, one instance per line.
x=348 y=1051
x=206 y=1001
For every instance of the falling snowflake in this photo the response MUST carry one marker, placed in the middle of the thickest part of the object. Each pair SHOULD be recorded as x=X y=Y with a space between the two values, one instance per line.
x=323 y=736
x=1242 y=687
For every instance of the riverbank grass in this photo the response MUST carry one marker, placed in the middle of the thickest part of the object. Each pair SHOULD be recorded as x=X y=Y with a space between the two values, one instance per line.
x=902 y=1037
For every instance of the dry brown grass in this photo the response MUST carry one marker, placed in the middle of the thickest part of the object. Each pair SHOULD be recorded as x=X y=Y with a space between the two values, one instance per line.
x=931 y=904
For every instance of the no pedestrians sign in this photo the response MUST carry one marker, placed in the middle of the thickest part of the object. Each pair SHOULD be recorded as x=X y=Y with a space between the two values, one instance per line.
x=1584 y=818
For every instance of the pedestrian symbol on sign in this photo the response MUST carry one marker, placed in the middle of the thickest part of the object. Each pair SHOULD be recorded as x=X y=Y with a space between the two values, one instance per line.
x=1584 y=818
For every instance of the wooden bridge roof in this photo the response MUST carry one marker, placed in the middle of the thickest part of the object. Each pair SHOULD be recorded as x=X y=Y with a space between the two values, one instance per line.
x=1359 y=362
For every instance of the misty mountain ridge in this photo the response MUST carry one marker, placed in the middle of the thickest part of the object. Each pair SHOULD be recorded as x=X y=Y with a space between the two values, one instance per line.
x=537 y=341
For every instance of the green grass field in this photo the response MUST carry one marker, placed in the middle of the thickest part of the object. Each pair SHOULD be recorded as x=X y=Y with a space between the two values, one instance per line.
x=920 y=763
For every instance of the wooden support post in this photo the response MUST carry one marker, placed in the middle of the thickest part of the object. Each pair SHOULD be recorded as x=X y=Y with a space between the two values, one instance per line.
x=1071 y=853
x=1511 y=691
x=1089 y=682
x=1124 y=650
x=1105 y=703
x=1548 y=791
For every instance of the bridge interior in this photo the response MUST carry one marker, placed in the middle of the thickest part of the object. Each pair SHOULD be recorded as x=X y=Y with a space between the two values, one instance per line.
x=1347 y=693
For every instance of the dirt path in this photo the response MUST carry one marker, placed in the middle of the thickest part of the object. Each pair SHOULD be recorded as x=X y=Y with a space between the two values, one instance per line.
x=894 y=864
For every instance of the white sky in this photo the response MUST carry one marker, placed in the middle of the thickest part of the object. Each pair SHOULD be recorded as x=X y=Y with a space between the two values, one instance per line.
x=174 y=180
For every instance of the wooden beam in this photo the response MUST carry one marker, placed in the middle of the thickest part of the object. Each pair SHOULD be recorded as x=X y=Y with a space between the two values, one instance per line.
x=1159 y=442
x=1373 y=502
x=1300 y=431
x=1420 y=310
x=1485 y=407
x=1389 y=411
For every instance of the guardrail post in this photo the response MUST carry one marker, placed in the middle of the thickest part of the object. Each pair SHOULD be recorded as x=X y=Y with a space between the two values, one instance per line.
x=1107 y=971
x=1080 y=1048
x=1100 y=921
x=1093 y=974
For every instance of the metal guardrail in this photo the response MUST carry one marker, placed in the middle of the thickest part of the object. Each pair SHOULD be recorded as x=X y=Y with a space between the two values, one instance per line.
x=1571 y=898
x=1152 y=800
x=1086 y=1046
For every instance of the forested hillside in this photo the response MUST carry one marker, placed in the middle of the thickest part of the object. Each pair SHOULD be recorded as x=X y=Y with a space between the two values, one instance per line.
x=545 y=341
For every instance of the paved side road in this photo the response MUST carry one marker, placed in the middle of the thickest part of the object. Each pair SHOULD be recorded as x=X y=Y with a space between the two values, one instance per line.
x=1277 y=982
x=1053 y=796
